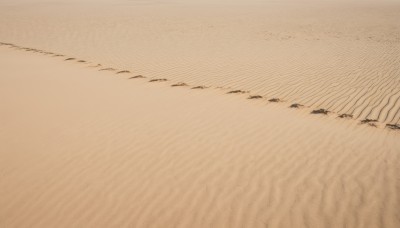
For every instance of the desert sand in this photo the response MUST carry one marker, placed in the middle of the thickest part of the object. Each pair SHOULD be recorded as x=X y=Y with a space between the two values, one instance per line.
x=137 y=114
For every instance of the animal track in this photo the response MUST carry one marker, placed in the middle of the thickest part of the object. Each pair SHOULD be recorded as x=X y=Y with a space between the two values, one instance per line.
x=347 y=116
x=158 y=80
x=30 y=49
x=9 y=44
x=255 y=97
x=108 y=69
x=372 y=125
x=393 y=126
x=320 y=111
x=179 y=84
x=275 y=100
x=124 y=72
x=200 y=87
x=237 y=91
x=296 y=105
x=137 y=76
x=368 y=121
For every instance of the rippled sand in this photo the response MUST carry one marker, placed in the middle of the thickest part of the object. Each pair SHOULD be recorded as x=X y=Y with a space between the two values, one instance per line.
x=338 y=55
x=136 y=114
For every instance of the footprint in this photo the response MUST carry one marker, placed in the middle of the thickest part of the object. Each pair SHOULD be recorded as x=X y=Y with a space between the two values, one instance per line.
x=158 y=80
x=179 y=84
x=58 y=55
x=124 y=72
x=275 y=100
x=137 y=76
x=200 y=87
x=368 y=121
x=69 y=59
x=347 y=116
x=237 y=91
x=393 y=126
x=108 y=69
x=10 y=45
x=296 y=105
x=320 y=111
x=81 y=61
x=254 y=97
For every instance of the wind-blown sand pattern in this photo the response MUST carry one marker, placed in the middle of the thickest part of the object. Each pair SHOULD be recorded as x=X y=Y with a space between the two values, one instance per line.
x=73 y=158
x=338 y=55
x=200 y=114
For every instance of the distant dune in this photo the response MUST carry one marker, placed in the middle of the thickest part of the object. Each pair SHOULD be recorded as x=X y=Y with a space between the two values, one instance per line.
x=192 y=113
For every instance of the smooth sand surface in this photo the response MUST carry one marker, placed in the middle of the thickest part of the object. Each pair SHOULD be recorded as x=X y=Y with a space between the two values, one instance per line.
x=83 y=148
x=87 y=142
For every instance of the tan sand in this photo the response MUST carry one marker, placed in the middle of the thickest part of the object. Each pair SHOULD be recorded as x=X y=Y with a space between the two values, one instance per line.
x=100 y=126
x=83 y=148
x=332 y=54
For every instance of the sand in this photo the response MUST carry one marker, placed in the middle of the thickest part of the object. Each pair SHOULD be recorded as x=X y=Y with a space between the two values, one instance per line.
x=86 y=142
x=332 y=54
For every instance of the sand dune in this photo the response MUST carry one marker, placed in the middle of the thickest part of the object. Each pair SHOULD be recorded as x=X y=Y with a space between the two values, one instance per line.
x=370 y=121
x=192 y=113
x=83 y=148
x=338 y=55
